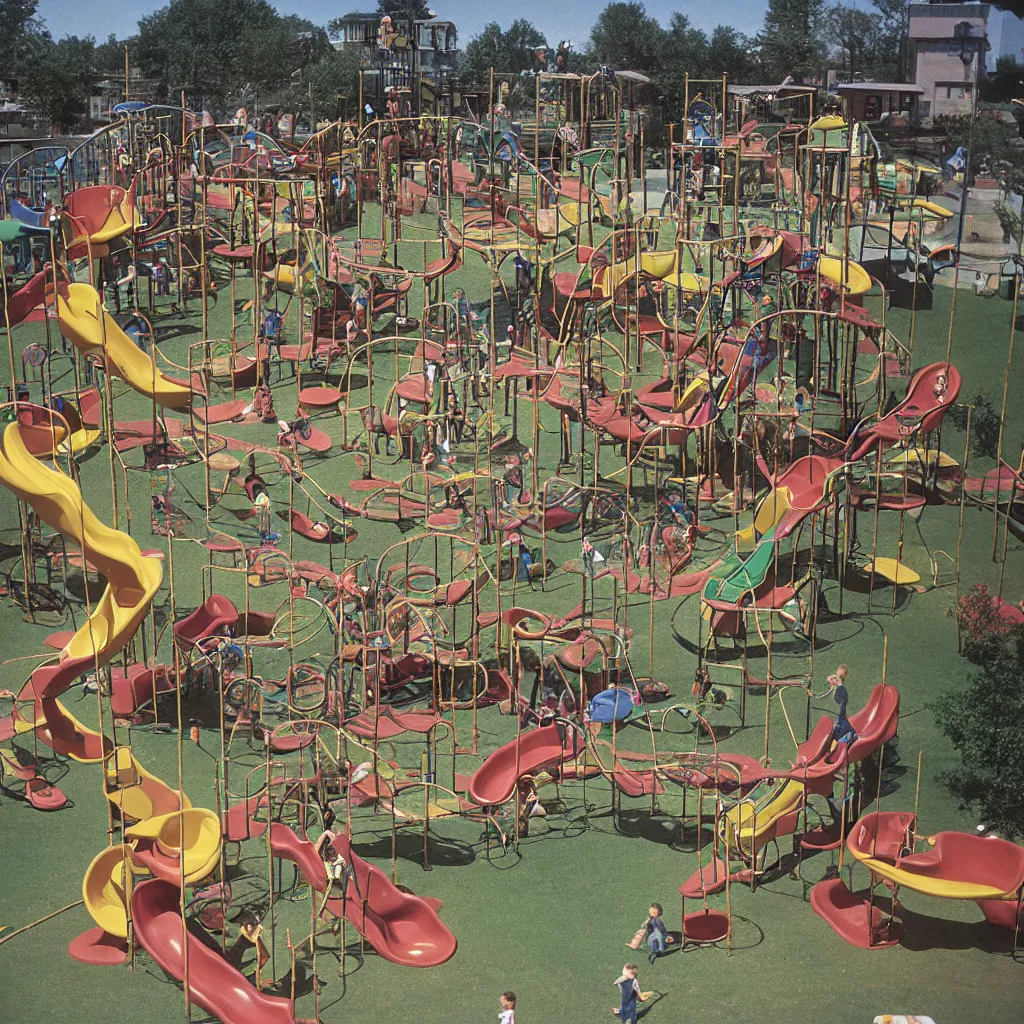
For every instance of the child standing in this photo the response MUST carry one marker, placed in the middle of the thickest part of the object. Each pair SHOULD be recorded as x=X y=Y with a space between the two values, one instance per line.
x=656 y=933
x=843 y=731
x=508 y=1008
x=629 y=993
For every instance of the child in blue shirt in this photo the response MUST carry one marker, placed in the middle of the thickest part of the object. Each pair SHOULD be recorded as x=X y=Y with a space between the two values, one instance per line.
x=656 y=932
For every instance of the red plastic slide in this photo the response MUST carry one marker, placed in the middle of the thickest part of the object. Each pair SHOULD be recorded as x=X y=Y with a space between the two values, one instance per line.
x=921 y=411
x=213 y=983
x=403 y=928
x=216 y=612
x=25 y=299
x=876 y=723
x=495 y=780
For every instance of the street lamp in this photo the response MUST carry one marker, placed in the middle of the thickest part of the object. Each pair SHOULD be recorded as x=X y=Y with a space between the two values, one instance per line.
x=970 y=45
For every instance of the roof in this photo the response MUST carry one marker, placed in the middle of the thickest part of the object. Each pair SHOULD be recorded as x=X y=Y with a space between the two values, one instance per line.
x=771 y=90
x=880 y=87
x=633 y=76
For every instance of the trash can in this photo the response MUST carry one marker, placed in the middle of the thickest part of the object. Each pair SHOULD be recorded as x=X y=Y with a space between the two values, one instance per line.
x=1007 y=275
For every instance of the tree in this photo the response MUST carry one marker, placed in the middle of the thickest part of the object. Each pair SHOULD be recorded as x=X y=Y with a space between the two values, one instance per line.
x=855 y=33
x=684 y=51
x=109 y=56
x=790 y=41
x=1005 y=84
x=509 y=52
x=58 y=77
x=893 y=31
x=403 y=10
x=731 y=52
x=206 y=45
x=990 y=141
x=985 y=721
x=625 y=37
x=20 y=31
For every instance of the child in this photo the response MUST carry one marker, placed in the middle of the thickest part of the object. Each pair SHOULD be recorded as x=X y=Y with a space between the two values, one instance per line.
x=843 y=731
x=656 y=933
x=508 y=1008
x=629 y=992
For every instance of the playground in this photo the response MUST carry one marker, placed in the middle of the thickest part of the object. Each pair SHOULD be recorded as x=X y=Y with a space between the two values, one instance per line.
x=426 y=546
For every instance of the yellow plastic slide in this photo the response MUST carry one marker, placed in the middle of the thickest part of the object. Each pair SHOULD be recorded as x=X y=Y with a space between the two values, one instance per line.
x=749 y=826
x=105 y=891
x=137 y=793
x=858 y=282
x=769 y=514
x=92 y=329
x=132 y=581
x=193 y=834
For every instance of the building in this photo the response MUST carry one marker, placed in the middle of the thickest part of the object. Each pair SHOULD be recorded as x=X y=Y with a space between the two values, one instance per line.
x=955 y=44
x=109 y=91
x=418 y=56
x=871 y=101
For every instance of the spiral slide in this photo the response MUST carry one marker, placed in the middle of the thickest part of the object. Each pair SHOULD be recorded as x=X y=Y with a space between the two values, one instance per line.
x=92 y=329
x=132 y=584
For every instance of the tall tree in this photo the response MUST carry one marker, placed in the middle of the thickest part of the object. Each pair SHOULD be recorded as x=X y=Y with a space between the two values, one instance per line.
x=790 y=42
x=985 y=720
x=893 y=32
x=626 y=37
x=509 y=52
x=203 y=45
x=403 y=10
x=732 y=52
x=58 y=79
x=855 y=33
x=684 y=52
x=20 y=31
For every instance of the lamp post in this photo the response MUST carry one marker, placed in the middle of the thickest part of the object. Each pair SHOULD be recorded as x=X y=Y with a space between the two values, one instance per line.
x=970 y=47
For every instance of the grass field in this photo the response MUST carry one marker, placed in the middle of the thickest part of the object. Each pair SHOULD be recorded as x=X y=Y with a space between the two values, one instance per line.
x=551 y=919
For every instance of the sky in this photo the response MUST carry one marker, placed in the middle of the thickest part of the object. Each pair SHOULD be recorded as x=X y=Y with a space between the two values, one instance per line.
x=557 y=20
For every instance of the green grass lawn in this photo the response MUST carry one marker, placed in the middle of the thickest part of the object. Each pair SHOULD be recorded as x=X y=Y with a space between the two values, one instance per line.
x=551 y=919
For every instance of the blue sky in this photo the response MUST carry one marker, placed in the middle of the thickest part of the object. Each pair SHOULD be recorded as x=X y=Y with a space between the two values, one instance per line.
x=557 y=20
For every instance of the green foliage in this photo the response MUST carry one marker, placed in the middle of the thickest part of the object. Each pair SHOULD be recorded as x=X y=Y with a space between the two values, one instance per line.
x=20 y=33
x=1004 y=85
x=402 y=10
x=985 y=721
x=891 y=63
x=329 y=78
x=216 y=47
x=57 y=78
x=856 y=33
x=626 y=37
x=791 y=41
x=984 y=424
x=991 y=141
x=508 y=52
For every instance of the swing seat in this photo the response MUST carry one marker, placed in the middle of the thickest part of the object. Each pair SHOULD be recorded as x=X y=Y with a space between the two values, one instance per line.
x=705 y=926
x=893 y=571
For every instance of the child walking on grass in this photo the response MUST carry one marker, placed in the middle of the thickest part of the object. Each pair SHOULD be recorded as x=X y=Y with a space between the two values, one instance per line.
x=629 y=993
x=508 y=1008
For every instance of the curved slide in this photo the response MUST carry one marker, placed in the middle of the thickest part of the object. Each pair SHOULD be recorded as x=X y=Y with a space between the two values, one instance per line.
x=132 y=584
x=403 y=928
x=805 y=487
x=959 y=866
x=495 y=780
x=213 y=983
x=92 y=329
